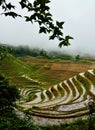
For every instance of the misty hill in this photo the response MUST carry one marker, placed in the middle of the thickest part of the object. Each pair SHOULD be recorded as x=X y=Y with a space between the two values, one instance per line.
x=20 y=51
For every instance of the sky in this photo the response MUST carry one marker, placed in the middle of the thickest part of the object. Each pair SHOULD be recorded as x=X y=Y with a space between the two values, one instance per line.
x=79 y=18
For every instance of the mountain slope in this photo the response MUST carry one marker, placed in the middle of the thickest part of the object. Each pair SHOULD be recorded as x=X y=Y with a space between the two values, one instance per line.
x=14 y=70
x=63 y=102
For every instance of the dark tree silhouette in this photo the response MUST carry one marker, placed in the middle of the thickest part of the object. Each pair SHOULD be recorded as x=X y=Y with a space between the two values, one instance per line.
x=8 y=95
x=91 y=106
x=38 y=11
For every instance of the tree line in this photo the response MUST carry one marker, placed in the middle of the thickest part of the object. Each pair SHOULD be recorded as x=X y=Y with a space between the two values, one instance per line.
x=20 y=51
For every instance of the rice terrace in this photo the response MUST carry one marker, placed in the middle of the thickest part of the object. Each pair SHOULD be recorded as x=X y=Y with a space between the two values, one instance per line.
x=65 y=100
x=47 y=65
x=54 y=91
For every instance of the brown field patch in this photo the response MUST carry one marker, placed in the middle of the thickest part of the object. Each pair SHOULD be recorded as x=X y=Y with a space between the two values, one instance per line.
x=65 y=71
x=71 y=67
x=57 y=70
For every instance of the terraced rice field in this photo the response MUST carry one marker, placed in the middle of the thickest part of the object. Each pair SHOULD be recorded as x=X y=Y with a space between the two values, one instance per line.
x=62 y=102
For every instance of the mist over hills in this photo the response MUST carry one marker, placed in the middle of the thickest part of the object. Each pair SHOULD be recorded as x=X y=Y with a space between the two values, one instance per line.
x=65 y=50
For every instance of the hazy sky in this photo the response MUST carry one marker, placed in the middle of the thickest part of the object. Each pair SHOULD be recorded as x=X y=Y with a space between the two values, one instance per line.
x=79 y=17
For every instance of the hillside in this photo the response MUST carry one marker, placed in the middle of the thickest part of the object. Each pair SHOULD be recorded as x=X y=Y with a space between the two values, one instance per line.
x=14 y=69
x=53 y=90
x=53 y=71
x=62 y=103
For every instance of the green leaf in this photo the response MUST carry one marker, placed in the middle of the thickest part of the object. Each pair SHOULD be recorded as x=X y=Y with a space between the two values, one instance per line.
x=56 y=31
x=61 y=38
x=48 y=14
x=49 y=18
x=33 y=16
x=51 y=25
x=59 y=24
x=68 y=37
x=46 y=1
x=13 y=14
x=23 y=5
x=27 y=19
x=59 y=32
x=47 y=8
x=52 y=37
x=61 y=44
x=42 y=30
x=9 y=6
x=36 y=3
x=64 y=43
x=30 y=5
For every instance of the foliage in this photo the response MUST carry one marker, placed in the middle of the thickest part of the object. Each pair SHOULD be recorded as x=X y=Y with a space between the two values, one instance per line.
x=20 y=51
x=77 y=57
x=25 y=50
x=30 y=97
x=38 y=11
x=8 y=95
x=42 y=97
x=8 y=118
x=3 y=51
x=76 y=125
x=14 y=122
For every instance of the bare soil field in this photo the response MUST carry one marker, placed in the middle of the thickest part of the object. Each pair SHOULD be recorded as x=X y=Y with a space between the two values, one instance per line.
x=57 y=69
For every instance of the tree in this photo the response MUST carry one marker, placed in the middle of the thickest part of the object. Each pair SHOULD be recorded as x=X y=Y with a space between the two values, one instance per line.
x=77 y=57
x=4 y=50
x=39 y=12
x=43 y=53
x=8 y=95
x=91 y=106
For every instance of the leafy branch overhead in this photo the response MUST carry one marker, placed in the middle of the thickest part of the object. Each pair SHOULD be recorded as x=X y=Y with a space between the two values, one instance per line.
x=38 y=11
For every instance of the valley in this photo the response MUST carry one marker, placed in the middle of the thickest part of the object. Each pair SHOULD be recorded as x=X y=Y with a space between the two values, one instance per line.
x=53 y=91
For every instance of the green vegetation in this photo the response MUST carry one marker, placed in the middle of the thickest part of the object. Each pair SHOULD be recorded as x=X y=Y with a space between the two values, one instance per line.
x=13 y=66
x=13 y=122
x=8 y=95
x=76 y=125
x=30 y=97
x=20 y=51
x=77 y=57
x=8 y=118
x=42 y=97
x=90 y=76
x=32 y=75
x=72 y=87
x=60 y=90
x=77 y=83
x=84 y=81
x=23 y=75
x=10 y=121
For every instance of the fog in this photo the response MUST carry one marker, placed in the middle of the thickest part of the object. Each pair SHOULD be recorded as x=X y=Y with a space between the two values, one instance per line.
x=79 y=20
